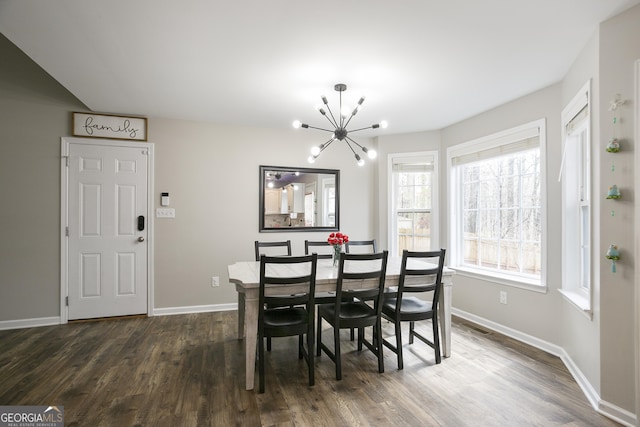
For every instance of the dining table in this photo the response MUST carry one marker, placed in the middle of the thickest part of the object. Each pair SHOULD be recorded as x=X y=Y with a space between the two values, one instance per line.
x=246 y=277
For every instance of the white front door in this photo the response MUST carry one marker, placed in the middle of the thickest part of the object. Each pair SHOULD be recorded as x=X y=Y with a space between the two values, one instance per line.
x=107 y=214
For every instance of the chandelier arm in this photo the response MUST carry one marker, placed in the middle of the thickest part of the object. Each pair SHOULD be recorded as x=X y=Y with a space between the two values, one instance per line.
x=350 y=139
x=356 y=130
x=332 y=120
x=349 y=145
x=326 y=130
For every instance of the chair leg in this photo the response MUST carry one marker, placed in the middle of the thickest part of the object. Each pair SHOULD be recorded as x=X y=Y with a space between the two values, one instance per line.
x=411 y=326
x=398 y=327
x=336 y=351
x=300 y=344
x=352 y=335
x=360 y=338
x=268 y=343
x=261 y=363
x=310 y=358
x=436 y=339
x=378 y=345
x=319 y=337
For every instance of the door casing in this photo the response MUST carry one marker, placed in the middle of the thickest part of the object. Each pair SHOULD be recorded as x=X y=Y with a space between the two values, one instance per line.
x=64 y=216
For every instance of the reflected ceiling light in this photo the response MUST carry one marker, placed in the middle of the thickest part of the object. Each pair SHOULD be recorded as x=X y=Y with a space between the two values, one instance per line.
x=339 y=131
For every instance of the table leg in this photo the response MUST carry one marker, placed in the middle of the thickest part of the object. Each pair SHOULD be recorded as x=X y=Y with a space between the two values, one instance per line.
x=251 y=337
x=240 y=315
x=445 y=318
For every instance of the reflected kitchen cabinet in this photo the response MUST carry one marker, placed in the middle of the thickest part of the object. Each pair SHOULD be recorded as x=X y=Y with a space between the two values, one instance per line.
x=272 y=201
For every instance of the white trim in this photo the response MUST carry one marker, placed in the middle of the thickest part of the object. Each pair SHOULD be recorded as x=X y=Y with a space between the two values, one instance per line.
x=169 y=311
x=483 y=143
x=435 y=197
x=605 y=408
x=64 y=216
x=571 y=288
x=29 y=323
x=637 y=234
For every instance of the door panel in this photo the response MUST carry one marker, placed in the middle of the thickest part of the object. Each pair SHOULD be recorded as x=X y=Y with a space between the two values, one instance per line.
x=107 y=261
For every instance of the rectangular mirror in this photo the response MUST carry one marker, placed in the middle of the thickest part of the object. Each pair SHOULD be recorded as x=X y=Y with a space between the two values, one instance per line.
x=299 y=199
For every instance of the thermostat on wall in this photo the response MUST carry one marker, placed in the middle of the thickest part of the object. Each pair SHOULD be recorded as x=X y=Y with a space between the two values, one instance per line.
x=164 y=199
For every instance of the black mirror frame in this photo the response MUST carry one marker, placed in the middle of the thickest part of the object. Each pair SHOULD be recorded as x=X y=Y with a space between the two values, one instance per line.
x=261 y=207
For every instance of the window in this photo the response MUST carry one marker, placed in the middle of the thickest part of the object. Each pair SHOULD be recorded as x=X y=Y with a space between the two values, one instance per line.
x=575 y=176
x=497 y=206
x=413 y=216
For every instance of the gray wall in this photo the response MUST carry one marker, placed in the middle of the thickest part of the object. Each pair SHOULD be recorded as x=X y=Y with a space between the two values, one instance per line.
x=34 y=114
x=211 y=172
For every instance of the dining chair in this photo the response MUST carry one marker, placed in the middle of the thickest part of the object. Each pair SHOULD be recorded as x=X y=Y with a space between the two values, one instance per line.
x=287 y=315
x=369 y=246
x=420 y=272
x=329 y=296
x=278 y=251
x=284 y=244
x=350 y=308
x=325 y=251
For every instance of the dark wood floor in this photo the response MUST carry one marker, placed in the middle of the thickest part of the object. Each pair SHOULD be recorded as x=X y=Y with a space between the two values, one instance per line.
x=188 y=370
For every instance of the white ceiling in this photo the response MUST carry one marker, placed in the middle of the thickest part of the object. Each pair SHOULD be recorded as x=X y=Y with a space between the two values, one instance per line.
x=423 y=64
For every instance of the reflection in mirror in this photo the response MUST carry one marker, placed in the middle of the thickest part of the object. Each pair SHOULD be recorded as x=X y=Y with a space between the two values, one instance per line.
x=299 y=199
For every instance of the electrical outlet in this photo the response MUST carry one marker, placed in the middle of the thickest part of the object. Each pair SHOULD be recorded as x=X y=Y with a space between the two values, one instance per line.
x=503 y=297
x=215 y=281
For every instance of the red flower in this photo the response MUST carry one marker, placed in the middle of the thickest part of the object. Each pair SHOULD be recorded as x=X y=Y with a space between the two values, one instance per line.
x=337 y=239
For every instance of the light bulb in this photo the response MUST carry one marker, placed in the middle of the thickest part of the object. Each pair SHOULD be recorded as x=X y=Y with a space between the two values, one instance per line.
x=315 y=150
x=384 y=124
x=270 y=185
x=311 y=159
x=372 y=154
x=345 y=111
x=296 y=124
x=359 y=160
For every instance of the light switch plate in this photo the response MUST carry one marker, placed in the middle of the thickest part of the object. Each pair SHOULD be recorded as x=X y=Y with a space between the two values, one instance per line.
x=165 y=213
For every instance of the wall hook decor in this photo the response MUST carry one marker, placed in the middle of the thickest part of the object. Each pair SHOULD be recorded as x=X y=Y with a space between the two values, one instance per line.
x=613 y=193
x=616 y=102
x=614 y=255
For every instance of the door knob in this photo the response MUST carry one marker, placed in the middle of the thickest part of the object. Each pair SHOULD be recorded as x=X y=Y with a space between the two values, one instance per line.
x=140 y=239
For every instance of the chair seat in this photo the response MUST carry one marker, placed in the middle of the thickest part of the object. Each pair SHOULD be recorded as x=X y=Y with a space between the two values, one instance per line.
x=356 y=310
x=278 y=318
x=411 y=308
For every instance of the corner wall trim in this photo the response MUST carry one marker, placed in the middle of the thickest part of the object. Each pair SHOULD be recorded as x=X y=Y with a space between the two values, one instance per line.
x=607 y=409
x=29 y=323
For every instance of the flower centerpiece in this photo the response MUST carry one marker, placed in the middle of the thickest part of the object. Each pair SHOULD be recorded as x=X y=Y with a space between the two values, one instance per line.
x=336 y=240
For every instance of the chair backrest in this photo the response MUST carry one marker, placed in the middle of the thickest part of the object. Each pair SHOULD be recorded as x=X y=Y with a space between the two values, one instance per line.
x=368 y=246
x=325 y=252
x=297 y=270
x=421 y=272
x=370 y=269
x=284 y=244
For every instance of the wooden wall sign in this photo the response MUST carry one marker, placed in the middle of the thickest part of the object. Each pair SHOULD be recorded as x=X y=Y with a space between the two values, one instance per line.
x=109 y=126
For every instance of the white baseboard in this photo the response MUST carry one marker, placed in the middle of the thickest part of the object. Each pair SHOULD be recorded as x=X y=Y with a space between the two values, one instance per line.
x=29 y=323
x=607 y=409
x=168 y=311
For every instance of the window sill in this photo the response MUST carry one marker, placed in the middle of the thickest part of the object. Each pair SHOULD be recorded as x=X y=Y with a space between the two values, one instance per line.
x=579 y=301
x=502 y=279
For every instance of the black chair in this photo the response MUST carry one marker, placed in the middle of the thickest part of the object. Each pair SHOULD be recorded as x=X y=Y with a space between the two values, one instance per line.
x=287 y=248
x=350 y=309
x=373 y=246
x=424 y=268
x=284 y=320
x=326 y=248
x=285 y=244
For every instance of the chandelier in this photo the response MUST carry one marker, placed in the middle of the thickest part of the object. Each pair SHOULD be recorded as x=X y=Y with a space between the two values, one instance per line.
x=339 y=131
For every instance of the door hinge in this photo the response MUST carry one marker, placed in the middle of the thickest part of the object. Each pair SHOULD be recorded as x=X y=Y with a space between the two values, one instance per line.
x=67 y=301
x=66 y=231
x=66 y=160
